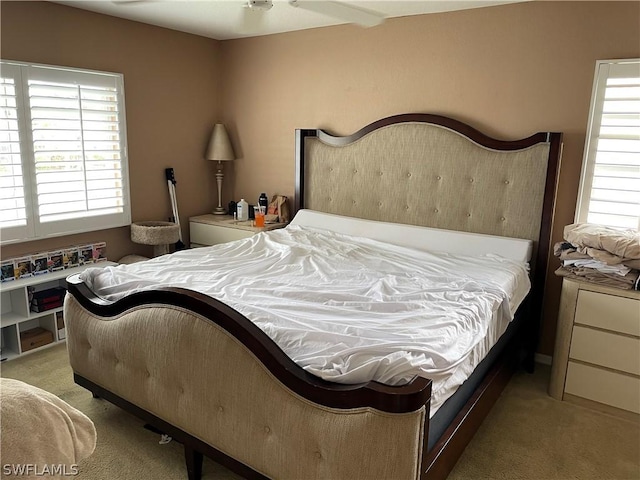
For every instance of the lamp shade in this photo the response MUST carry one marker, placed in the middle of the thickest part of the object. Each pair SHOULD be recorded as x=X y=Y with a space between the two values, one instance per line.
x=219 y=148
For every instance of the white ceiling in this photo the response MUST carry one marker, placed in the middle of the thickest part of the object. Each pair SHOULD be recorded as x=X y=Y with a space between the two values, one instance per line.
x=227 y=19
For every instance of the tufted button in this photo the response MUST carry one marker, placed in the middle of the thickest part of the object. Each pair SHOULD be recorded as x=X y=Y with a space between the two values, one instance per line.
x=408 y=174
x=506 y=182
x=435 y=210
x=502 y=218
x=331 y=169
x=353 y=201
x=379 y=204
x=468 y=215
x=330 y=199
x=380 y=173
x=355 y=171
x=438 y=177
x=267 y=429
x=406 y=207
x=220 y=408
x=317 y=454
x=181 y=390
x=471 y=180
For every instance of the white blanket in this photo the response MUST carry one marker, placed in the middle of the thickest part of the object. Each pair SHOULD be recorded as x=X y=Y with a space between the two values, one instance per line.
x=348 y=309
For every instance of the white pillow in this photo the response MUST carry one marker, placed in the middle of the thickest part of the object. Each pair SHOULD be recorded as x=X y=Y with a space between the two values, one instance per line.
x=422 y=238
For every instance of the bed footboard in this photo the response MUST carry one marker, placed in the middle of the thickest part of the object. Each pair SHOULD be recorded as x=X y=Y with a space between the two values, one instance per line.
x=167 y=362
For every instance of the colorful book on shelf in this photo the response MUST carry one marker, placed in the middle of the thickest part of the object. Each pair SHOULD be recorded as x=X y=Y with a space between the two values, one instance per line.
x=45 y=300
x=49 y=294
x=46 y=306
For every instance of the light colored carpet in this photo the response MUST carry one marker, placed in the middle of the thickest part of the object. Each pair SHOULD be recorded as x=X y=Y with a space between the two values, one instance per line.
x=527 y=435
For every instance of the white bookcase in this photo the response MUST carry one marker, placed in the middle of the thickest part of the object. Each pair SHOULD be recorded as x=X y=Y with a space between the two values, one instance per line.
x=16 y=315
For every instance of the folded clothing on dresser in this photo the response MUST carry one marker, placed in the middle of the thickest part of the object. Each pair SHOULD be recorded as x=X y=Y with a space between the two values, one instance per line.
x=621 y=243
x=600 y=254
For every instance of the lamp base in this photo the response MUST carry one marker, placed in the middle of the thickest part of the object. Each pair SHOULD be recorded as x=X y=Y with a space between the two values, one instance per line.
x=219 y=211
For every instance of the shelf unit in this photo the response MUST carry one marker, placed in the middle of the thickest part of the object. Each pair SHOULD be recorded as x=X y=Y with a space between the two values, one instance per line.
x=16 y=315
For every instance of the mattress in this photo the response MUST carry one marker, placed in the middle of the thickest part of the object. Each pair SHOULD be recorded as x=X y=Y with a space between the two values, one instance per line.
x=348 y=308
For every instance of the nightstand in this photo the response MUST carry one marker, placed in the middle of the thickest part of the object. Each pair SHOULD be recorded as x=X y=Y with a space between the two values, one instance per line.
x=210 y=229
x=596 y=361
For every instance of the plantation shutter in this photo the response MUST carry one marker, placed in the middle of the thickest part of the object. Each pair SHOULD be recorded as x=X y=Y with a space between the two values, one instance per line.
x=75 y=166
x=13 y=194
x=610 y=184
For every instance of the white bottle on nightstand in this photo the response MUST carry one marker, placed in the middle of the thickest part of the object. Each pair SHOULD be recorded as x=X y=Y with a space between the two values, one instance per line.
x=243 y=210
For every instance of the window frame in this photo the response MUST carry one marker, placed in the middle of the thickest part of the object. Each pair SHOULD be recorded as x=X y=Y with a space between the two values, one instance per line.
x=602 y=74
x=36 y=229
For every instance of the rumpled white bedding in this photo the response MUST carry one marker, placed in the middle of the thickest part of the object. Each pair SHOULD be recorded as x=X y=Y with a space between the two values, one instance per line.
x=348 y=309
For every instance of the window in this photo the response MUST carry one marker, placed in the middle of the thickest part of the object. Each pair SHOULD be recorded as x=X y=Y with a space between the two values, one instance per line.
x=610 y=183
x=63 y=156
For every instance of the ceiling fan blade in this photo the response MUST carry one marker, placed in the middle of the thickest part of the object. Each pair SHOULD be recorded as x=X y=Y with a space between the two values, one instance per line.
x=342 y=11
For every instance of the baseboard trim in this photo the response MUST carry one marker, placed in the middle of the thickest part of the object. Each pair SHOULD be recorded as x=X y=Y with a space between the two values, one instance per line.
x=543 y=359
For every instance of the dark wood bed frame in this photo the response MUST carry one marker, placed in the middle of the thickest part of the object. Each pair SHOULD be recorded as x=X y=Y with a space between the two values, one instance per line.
x=436 y=463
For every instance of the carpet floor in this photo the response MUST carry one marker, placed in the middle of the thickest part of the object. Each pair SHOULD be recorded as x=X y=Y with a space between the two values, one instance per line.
x=527 y=435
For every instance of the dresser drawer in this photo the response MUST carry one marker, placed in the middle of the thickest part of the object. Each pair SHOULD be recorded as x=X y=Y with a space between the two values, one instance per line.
x=212 y=235
x=603 y=386
x=609 y=312
x=214 y=229
x=610 y=350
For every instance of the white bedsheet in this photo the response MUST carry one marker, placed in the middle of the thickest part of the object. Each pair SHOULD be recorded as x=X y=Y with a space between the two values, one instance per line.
x=348 y=309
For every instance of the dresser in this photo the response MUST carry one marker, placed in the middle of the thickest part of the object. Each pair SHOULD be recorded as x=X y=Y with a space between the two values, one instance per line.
x=212 y=229
x=596 y=360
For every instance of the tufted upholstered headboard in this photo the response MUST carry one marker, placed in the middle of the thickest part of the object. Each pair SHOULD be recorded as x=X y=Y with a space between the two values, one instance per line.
x=434 y=171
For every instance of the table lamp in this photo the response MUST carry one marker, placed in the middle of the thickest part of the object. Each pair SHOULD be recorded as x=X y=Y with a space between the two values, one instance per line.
x=219 y=150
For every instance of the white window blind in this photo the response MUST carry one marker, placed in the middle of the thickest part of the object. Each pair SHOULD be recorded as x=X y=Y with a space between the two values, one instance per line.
x=610 y=183
x=65 y=134
x=12 y=201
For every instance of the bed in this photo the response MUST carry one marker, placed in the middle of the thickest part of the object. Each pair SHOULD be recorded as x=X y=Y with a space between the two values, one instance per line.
x=187 y=354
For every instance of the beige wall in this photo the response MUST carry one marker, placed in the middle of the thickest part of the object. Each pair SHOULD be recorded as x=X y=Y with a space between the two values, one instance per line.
x=172 y=83
x=510 y=71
